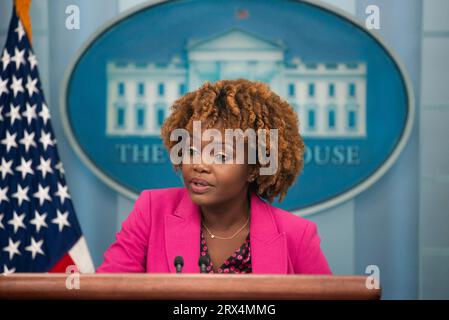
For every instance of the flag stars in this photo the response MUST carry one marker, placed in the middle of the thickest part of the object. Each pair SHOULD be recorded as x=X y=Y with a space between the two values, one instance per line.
x=3 y=196
x=25 y=167
x=42 y=194
x=12 y=248
x=60 y=168
x=35 y=247
x=7 y=271
x=61 y=220
x=30 y=113
x=14 y=114
x=45 y=139
x=18 y=57
x=45 y=167
x=10 y=141
x=32 y=60
x=17 y=221
x=21 y=194
x=39 y=221
x=28 y=140
x=16 y=85
x=3 y=86
x=20 y=31
x=31 y=86
x=45 y=113
x=62 y=193
x=6 y=59
x=5 y=168
x=2 y=226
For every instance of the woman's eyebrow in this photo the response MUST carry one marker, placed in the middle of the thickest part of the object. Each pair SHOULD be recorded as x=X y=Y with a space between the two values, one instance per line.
x=224 y=143
x=214 y=142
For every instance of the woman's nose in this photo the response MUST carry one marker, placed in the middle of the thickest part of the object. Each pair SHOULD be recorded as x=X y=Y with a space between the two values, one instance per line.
x=201 y=167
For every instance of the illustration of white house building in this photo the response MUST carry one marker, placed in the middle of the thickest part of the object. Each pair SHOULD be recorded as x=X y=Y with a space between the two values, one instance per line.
x=329 y=97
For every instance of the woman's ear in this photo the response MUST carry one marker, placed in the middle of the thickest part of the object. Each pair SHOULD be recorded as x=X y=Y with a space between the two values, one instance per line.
x=252 y=174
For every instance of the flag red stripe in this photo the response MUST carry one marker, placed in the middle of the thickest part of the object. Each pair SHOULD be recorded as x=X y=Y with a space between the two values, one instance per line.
x=62 y=264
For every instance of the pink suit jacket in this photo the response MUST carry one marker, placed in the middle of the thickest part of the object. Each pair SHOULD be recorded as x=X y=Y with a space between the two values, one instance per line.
x=165 y=223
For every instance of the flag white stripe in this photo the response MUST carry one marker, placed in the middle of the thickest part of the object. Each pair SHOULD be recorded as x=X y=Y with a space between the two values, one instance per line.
x=81 y=256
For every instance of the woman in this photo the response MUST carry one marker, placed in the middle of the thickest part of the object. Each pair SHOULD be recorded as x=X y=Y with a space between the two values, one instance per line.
x=220 y=214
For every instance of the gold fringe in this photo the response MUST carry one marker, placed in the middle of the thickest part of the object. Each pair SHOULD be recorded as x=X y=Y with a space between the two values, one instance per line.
x=23 y=9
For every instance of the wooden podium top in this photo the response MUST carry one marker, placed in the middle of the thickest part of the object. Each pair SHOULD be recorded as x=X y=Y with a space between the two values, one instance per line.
x=167 y=286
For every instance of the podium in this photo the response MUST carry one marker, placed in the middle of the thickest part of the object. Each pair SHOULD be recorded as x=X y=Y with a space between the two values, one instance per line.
x=168 y=286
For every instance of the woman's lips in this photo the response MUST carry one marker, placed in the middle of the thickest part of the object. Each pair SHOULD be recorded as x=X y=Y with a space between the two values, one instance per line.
x=199 y=185
x=197 y=188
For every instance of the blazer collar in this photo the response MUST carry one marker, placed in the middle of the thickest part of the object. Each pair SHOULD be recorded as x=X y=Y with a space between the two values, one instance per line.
x=182 y=237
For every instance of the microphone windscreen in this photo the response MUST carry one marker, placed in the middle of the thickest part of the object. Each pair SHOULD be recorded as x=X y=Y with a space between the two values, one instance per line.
x=179 y=260
x=203 y=260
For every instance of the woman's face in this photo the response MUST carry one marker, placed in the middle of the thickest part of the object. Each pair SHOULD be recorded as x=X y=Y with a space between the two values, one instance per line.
x=210 y=184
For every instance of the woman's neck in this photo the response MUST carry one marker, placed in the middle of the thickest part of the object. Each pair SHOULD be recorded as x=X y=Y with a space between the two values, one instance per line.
x=227 y=216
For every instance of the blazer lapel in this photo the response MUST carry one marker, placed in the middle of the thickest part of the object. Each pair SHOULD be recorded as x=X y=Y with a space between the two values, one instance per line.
x=182 y=235
x=268 y=246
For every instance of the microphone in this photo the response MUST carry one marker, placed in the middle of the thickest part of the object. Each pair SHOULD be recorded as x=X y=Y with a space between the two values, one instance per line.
x=203 y=262
x=179 y=263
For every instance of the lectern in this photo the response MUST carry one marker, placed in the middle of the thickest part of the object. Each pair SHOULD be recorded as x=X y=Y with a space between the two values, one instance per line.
x=184 y=286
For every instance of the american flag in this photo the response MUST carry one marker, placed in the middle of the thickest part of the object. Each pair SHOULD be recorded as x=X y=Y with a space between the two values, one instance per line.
x=39 y=231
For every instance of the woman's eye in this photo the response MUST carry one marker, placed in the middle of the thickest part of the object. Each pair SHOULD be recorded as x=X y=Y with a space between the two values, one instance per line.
x=221 y=157
x=192 y=151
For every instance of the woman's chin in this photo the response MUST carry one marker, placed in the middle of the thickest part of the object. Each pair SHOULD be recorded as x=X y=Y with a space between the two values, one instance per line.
x=201 y=198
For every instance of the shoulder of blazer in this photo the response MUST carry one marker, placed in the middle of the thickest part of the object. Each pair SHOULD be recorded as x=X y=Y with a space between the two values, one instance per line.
x=287 y=221
x=163 y=200
x=294 y=226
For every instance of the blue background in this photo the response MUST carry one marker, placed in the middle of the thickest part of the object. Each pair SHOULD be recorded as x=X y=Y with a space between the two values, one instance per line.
x=400 y=223
x=309 y=32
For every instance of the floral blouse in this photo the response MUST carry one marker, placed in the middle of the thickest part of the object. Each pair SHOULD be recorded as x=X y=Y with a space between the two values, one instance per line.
x=238 y=262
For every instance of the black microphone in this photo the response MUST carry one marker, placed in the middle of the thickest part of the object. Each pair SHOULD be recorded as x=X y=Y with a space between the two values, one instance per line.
x=203 y=262
x=179 y=263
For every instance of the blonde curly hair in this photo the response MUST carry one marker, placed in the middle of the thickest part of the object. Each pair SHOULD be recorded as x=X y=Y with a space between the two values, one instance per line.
x=244 y=104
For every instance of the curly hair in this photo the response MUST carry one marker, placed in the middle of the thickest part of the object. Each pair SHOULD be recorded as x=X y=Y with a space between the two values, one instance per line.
x=244 y=104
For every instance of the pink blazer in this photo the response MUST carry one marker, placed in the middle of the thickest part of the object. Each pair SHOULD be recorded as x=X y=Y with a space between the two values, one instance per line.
x=165 y=223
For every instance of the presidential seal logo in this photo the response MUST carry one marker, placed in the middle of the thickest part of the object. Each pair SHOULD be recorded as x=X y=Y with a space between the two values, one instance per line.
x=351 y=94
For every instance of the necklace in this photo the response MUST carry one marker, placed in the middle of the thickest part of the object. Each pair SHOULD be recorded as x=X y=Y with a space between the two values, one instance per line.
x=225 y=238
